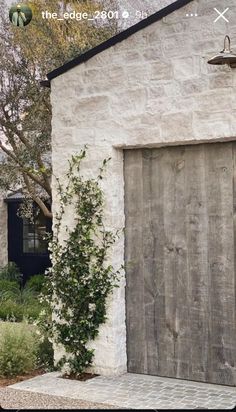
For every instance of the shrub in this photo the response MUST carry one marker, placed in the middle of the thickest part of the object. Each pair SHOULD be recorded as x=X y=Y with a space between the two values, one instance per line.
x=36 y=283
x=32 y=311
x=13 y=311
x=18 y=349
x=10 y=310
x=17 y=303
x=45 y=354
x=26 y=296
x=7 y=288
x=19 y=295
x=11 y=272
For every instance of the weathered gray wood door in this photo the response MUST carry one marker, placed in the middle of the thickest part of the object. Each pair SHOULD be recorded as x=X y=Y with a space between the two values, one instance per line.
x=180 y=261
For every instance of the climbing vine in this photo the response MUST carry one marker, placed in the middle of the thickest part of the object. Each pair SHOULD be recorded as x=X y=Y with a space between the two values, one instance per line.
x=80 y=279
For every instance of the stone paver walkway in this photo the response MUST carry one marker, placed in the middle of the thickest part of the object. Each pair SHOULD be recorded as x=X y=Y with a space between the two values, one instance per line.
x=135 y=391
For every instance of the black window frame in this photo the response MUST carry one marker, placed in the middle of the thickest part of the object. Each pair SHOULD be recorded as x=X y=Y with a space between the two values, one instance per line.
x=27 y=222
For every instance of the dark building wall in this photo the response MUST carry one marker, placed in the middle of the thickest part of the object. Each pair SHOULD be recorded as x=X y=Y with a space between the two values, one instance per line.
x=29 y=263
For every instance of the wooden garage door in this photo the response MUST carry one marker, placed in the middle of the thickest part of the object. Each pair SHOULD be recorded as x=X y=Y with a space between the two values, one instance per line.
x=180 y=261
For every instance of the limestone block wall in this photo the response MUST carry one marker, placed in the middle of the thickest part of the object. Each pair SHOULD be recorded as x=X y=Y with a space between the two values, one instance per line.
x=153 y=89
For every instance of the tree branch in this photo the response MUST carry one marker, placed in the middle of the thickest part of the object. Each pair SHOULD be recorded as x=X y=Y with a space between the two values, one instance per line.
x=36 y=198
x=36 y=179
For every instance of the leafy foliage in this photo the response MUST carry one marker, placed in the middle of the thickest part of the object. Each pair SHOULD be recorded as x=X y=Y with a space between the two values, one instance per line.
x=10 y=310
x=7 y=287
x=10 y=272
x=17 y=302
x=80 y=279
x=18 y=349
x=45 y=354
x=23 y=349
x=36 y=283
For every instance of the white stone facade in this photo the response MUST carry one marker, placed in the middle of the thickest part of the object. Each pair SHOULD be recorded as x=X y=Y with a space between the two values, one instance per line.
x=155 y=88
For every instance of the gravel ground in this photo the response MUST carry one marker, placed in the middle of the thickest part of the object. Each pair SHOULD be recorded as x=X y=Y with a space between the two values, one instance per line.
x=17 y=399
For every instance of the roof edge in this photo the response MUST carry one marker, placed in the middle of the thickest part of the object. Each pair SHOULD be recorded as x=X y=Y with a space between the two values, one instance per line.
x=117 y=38
x=45 y=83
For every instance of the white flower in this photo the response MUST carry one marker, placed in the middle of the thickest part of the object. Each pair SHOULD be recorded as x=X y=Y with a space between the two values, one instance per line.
x=42 y=313
x=92 y=306
x=66 y=368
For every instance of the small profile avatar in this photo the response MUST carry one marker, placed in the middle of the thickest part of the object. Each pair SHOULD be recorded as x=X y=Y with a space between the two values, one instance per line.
x=20 y=15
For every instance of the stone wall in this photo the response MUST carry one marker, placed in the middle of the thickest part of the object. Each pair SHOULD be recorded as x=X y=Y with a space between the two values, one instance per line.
x=153 y=89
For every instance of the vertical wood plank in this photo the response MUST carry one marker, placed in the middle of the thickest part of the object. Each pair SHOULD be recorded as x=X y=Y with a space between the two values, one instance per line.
x=135 y=315
x=178 y=322
x=219 y=183
x=197 y=261
x=149 y=265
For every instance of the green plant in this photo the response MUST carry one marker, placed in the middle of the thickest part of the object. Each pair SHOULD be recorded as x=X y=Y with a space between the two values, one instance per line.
x=22 y=296
x=45 y=354
x=17 y=303
x=11 y=311
x=18 y=349
x=80 y=279
x=32 y=311
x=11 y=272
x=26 y=296
x=7 y=287
x=36 y=283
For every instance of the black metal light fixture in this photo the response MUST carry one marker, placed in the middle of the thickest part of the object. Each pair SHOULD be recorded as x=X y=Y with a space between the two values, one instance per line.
x=226 y=56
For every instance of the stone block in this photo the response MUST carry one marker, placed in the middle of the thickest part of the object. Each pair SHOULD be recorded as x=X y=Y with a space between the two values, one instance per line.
x=135 y=75
x=132 y=56
x=176 y=127
x=63 y=135
x=211 y=125
x=206 y=46
x=219 y=81
x=194 y=86
x=186 y=67
x=92 y=107
x=133 y=102
x=161 y=70
x=176 y=45
x=88 y=135
x=155 y=90
x=215 y=99
x=141 y=136
x=152 y=53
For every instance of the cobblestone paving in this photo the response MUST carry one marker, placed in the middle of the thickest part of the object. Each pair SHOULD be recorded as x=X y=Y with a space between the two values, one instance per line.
x=135 y=391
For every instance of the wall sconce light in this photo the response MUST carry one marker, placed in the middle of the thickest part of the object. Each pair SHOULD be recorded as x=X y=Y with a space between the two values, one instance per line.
x=226 y=56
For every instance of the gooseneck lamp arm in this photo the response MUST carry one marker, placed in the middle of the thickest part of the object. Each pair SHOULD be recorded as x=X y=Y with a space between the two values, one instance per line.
x=227 y=45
